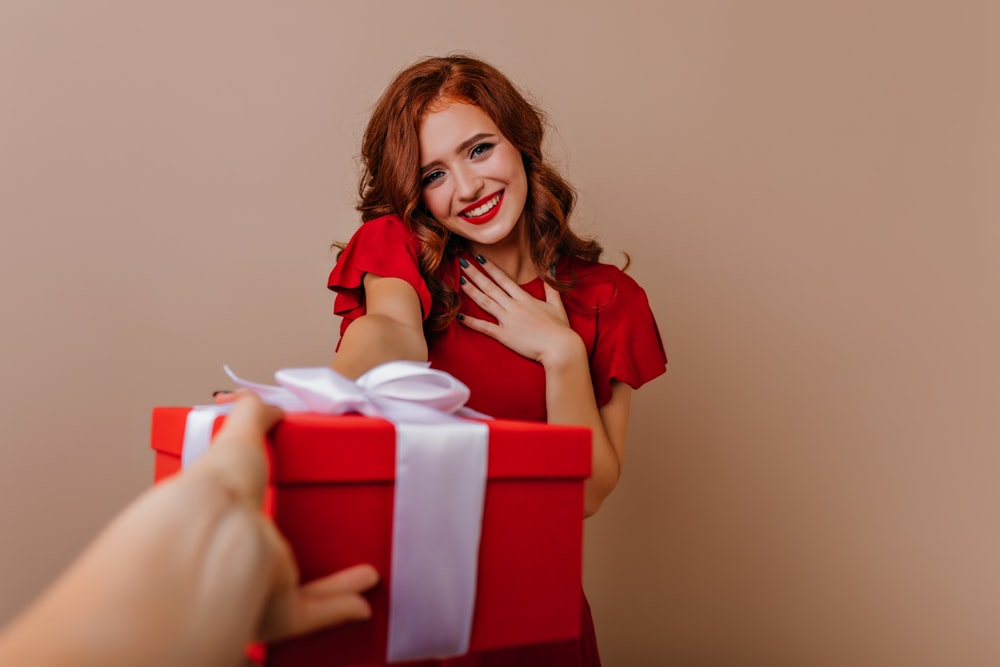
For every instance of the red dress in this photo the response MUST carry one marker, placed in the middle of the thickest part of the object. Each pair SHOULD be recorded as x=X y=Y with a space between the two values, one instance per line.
x=606 y=307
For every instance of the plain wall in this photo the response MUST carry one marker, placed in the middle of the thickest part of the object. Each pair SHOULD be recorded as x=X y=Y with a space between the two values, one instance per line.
x=807 y=191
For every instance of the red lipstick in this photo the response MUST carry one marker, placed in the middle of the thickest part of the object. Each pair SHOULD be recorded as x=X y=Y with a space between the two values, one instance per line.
x=485 y=217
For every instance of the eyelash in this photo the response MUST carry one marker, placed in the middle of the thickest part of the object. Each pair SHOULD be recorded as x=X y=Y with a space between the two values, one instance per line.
x=485 y=149
x=476 y=151
x=431 y=177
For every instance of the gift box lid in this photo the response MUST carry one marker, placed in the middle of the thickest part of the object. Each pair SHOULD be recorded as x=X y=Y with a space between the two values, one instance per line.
x=352 y=448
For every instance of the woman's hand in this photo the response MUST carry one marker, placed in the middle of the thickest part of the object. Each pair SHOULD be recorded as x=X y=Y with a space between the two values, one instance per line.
x=536 y=329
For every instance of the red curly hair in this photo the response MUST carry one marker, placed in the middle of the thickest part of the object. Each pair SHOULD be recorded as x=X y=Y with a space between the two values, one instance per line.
x=391 y=183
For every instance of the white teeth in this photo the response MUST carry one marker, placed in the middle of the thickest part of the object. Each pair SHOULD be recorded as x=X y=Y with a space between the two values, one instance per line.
x=484 y=209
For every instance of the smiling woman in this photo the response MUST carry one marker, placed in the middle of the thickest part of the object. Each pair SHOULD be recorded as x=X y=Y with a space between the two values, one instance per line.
x=466 y=259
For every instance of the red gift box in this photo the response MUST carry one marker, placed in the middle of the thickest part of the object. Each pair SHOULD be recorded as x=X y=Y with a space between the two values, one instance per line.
x=331 y=495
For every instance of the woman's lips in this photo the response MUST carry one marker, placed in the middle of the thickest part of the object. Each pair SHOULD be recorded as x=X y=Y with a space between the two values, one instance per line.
x=491 y=204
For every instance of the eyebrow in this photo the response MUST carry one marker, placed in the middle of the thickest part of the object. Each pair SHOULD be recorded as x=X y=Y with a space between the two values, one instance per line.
x=462 y=147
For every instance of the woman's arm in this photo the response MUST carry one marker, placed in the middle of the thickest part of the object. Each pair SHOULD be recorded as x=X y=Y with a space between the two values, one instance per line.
x=540 y=330
x=390 y=330
x=569 y=399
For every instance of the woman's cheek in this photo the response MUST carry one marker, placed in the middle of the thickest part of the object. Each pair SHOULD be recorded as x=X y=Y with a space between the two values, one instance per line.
x=433 y=202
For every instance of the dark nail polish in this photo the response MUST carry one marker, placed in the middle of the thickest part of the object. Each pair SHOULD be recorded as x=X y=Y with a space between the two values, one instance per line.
x=461 y=280
x=480 y=259
x=465 y=264
x=460 y=317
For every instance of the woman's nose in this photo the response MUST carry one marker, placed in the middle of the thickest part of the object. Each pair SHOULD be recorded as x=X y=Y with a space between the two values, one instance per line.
x=468 y=184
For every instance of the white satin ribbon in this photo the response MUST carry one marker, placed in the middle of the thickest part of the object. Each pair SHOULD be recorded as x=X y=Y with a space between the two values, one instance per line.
x=440 y=486
x=438 y=514
x=198 y=431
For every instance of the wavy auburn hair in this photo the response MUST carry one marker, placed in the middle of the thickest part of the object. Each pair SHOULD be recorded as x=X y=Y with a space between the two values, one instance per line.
x=391 y=183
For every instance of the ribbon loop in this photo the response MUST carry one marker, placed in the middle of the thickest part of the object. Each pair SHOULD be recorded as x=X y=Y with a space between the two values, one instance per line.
x=416 y=383
x=322 y=390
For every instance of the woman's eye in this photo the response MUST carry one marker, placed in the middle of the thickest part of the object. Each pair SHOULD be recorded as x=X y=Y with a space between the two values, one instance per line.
x=432 y=176
x=480 y=149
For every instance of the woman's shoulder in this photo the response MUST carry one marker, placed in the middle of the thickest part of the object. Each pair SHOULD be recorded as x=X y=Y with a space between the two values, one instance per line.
x=383 y=246
x=387 y=235
x=599 y=283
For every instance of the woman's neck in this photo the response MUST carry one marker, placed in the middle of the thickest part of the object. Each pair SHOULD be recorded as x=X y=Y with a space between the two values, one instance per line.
x=512 y=255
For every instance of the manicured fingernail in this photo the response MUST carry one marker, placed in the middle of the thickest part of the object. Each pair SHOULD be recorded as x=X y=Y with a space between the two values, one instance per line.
x=465 y=264
x=461 y=280
x=480 y=259
x=221 y=391
x=460 y=317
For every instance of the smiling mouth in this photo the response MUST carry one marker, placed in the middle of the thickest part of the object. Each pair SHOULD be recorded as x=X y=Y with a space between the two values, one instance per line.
x=483 y=210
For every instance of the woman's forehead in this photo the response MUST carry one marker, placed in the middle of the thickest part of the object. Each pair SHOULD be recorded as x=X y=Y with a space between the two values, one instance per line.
x=452 y=124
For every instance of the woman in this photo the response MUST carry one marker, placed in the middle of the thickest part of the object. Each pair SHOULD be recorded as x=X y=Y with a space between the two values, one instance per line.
x=465 y=258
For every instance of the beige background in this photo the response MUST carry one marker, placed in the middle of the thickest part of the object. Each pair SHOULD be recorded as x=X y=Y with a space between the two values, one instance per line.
x=808 y=192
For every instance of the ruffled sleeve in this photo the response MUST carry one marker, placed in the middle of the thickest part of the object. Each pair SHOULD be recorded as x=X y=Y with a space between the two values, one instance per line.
x=382 y=246
x=628 y=347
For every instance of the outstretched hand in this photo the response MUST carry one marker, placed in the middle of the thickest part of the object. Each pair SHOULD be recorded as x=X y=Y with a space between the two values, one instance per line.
x=189 y=573
x=237 y=462
x=536 y=329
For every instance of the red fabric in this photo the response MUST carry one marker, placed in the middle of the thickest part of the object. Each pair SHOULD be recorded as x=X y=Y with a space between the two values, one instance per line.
x=606 y=307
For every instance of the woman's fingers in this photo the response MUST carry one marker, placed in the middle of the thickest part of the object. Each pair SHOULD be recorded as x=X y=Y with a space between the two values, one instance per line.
x=482 y=326
x=479 y=296
x=500 y=277
x=487 y=294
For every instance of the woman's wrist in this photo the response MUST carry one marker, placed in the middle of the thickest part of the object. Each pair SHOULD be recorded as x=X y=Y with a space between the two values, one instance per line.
x=564 y=353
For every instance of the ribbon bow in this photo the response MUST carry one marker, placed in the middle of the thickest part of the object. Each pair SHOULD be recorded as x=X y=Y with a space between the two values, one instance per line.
x=404 y=392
